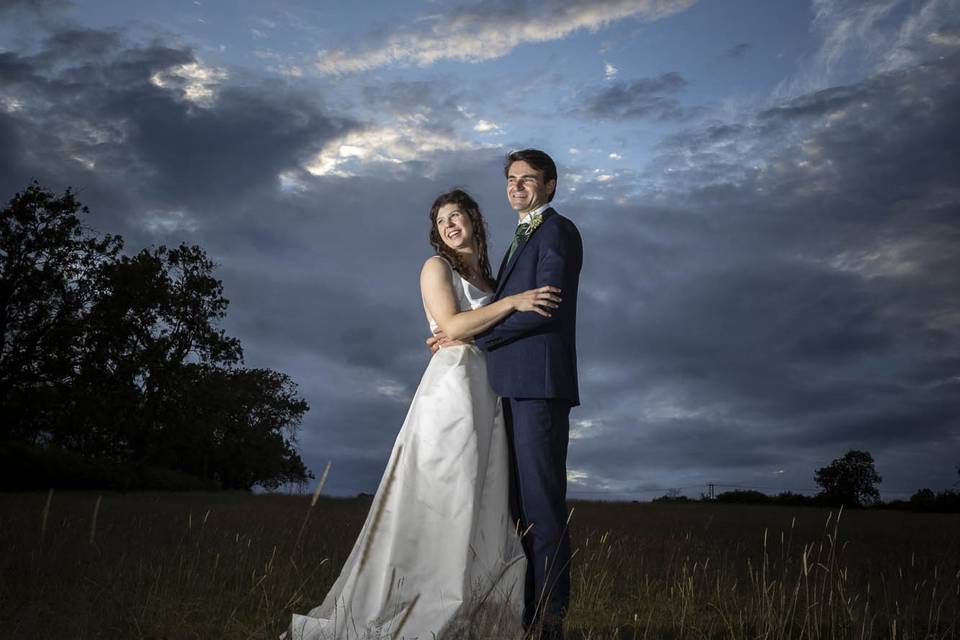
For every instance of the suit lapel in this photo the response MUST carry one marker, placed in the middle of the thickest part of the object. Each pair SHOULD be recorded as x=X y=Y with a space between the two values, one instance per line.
x=507 y=265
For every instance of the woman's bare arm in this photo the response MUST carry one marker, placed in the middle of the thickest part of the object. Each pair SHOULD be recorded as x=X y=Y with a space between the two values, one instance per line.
x=436 y=287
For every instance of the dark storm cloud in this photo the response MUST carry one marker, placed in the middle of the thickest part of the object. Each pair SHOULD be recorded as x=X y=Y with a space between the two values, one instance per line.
x=680 y=443
x=75 y=45
x=947 y=33
x=795 y=291
x=738 y=50
x=85 y=97
x=403 y=97
x=643 y=98
x=817 y=104
x=34 y=6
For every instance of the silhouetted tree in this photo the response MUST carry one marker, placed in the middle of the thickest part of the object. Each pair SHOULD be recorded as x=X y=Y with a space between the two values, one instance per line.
x=850 y=481
x=672 y=495
x=237 y=426
x=156 y=311
x=49 y=272
x=257 y=444
x=923 y=499
x=794 y=499
x=114 y=365
x=744 y=496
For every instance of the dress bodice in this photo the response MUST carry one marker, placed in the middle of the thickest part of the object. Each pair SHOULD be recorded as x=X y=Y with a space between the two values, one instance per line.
x=468 y=295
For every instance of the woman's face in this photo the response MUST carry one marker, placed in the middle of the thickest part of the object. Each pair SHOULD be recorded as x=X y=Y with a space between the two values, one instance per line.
x=454 y=227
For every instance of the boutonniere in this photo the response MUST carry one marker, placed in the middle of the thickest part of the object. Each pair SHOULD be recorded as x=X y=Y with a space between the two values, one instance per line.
x=532 y=226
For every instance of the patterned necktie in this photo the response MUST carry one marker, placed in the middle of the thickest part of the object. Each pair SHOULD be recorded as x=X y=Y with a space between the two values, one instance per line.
x=517 y=238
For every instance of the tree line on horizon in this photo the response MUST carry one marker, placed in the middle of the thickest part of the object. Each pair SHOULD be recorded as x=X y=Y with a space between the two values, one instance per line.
x=113 y=371
x=849 y=481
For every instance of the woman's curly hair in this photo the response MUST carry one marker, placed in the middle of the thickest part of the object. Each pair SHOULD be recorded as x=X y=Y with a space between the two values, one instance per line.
x=469 y=206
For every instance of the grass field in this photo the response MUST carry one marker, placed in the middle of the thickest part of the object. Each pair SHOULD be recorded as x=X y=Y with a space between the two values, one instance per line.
x=222 y=565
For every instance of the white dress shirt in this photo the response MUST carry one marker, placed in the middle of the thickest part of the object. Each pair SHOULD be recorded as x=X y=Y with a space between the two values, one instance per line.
x=530 y=214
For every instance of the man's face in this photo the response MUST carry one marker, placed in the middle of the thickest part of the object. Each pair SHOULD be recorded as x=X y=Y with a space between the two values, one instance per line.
x=525 y=187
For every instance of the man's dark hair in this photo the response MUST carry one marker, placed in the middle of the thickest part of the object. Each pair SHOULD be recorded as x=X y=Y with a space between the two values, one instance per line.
x=536 y=159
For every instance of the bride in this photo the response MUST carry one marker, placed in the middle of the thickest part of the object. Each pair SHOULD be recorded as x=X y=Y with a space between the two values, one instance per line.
x=438 y=556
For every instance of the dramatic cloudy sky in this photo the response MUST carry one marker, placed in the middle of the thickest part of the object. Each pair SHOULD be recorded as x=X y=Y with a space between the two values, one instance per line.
x=768 y=192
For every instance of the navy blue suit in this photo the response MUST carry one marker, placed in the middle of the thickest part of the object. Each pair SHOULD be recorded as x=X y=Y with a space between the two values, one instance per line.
x=532 y=365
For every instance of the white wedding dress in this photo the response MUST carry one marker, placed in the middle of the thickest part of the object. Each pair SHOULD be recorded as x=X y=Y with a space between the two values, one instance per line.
x=438 y=555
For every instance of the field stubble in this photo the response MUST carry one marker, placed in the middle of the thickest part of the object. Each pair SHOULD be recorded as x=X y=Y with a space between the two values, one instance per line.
x=230 y=565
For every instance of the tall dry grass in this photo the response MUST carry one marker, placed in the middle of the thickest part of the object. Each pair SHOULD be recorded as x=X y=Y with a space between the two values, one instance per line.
x=86 y=565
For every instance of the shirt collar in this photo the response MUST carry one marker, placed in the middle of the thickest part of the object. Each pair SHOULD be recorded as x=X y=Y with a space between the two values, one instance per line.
x=530 y=214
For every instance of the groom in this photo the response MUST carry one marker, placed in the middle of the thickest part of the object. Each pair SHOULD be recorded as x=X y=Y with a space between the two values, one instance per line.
x=532 y=365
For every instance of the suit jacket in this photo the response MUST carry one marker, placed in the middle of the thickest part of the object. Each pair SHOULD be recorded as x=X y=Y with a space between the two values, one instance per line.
x=528 y=355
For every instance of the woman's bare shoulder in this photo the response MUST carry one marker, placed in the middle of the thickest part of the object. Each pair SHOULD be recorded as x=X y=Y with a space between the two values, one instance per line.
x=435 y=264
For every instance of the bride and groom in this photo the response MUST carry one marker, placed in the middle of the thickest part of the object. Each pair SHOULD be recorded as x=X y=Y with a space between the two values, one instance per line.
x=467 y=534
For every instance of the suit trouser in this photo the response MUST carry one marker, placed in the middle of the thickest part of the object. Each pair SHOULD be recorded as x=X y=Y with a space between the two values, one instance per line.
x=538 y=430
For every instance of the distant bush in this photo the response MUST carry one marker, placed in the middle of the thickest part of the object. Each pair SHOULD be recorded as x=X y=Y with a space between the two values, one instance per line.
x=672 y=498
x=927 y=500
x=795 y=499
x=744 y=496
x=922 y=500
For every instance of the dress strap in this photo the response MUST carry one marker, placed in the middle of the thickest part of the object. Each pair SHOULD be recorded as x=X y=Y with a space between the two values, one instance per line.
x=449 y=264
